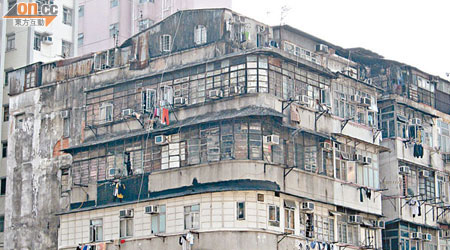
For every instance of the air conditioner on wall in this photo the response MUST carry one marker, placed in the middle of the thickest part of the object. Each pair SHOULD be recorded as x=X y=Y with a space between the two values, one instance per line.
x=354 y=219
x=307 y=206
x=160 y=139
x=416 y=236
x=215 y=93
x=304 y=99
x=126 y=213
x=152 y=209
x=416 y=121
x=404 y=170
x=322 y=48
x=424 y=173
x=381 y=224
x=272 y=139
x=127 y=112
x=179 y=101
x=427 y=237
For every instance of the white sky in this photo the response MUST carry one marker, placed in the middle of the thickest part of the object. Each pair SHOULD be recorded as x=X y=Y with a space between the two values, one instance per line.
x=410 y=31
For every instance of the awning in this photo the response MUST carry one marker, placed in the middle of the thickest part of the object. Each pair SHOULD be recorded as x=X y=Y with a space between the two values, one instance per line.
x=379 y=147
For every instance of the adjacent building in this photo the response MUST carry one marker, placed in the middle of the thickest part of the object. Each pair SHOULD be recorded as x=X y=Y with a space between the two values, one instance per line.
x=26 y=45
x=122 y=19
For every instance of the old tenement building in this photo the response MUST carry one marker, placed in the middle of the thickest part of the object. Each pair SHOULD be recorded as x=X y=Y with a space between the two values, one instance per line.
x=211 y=130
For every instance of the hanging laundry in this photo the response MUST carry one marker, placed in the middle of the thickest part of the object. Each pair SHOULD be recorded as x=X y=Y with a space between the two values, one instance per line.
x=165 y=117
x=414 y=206
x=119 y=190
x=361 y=199
x=419 y=213
x=313 y=245
x=368 y=193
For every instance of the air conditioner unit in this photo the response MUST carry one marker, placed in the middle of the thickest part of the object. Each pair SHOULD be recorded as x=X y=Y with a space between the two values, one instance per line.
x=354 y=219
x=127 y=213
x=307 y=206
x=160 y=139
x=322 y=48
x=65 y=114
x=365 y=101
x=327 y=146
x=260 y=28
x=405 y=170
x=381 y=224
x=152 y=209
x=179 y=101
x=344 y=155
x=272 y=139
x=235 y=90
x=47 y=40
x=416 y=121
x=114 y=172
x=366 y=160
x=360 y=158
x=127 y=112
x=304 y=99
x=215 y=94
x=424 y=173
x=427 y=237
x=416 y=236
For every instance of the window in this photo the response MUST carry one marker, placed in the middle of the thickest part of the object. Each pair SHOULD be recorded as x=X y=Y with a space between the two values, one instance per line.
x=30 y=79
x=2 y=223
x=66 y=49
x=427 y=187
x=159 y=220
x=19 y=121
x=113 y=3
x=289 y=222
x=4 y=149
x=10 y=42
x=144 y=24
x=274 y=215
x=80 y=39
x=200 y=34
x=145 y=1
x=81 y=11
x=192 y=217
x=2 y=186
x=66 y=129
x=96 y=230
x=113 y=30
x=37 y=41
x=106 y=112
x=126 y=227
x=67 y=16
x=5 y=113
x=240 y=210
x=444 y=136
x=165 y=43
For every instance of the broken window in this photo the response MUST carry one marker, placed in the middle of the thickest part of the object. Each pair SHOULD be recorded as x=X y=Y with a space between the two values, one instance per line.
x=200 y=34
x=165 y=43
x=106 y=113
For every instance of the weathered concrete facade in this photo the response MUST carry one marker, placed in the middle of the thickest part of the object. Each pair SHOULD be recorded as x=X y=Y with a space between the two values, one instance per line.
x=264 y=137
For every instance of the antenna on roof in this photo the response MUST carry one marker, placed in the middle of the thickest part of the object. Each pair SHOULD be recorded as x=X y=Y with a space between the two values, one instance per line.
x=284 y=12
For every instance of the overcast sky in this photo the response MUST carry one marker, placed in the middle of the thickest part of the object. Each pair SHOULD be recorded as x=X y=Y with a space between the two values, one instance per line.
x=414 y=32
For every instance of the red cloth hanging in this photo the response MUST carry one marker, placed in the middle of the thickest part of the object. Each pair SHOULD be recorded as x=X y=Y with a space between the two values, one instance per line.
x=165 y=116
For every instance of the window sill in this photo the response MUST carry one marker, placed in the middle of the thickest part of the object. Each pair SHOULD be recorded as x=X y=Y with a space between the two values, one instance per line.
x=11 y=50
